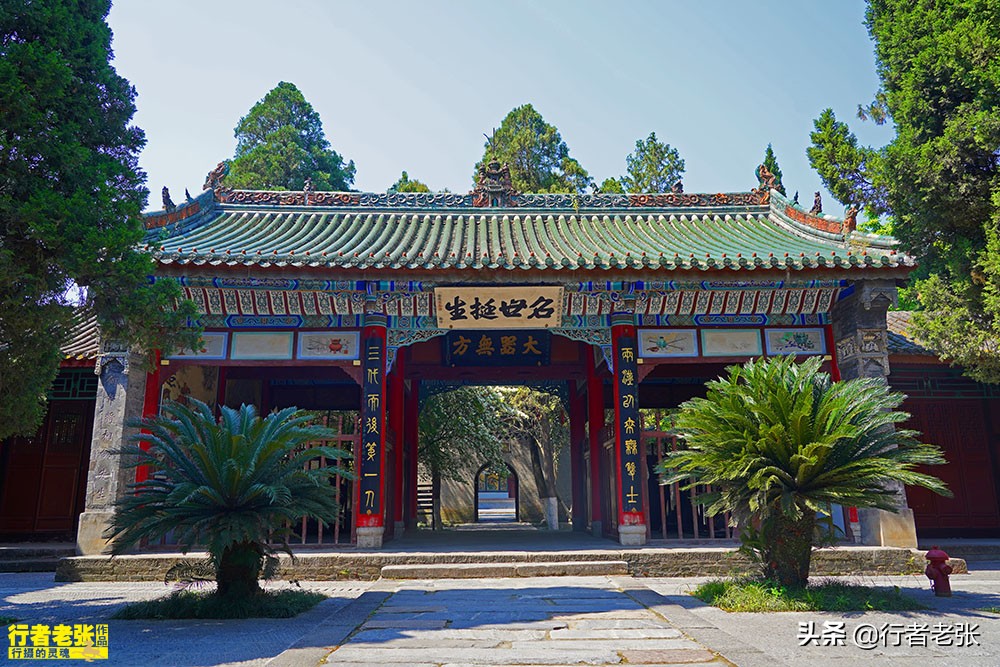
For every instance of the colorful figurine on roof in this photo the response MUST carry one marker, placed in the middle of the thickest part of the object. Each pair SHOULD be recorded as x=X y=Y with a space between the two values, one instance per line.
x=168 y=203
x=817 y=208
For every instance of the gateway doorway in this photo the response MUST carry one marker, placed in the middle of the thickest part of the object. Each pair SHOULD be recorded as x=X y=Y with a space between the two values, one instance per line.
x=496 y=494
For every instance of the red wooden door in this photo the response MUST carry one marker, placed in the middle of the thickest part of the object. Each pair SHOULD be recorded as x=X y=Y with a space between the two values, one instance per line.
x=45 y=476
x=961 y=428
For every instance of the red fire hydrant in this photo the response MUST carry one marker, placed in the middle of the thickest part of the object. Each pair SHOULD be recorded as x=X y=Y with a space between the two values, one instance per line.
x=937 y=571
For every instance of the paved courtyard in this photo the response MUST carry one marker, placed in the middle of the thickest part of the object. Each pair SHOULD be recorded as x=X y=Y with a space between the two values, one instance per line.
x=529 y=621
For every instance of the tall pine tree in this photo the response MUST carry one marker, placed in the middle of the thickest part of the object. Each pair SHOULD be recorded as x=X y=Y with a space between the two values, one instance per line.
x=71 y=194
x=407 y=184
x=652 y=167
x=536 y=154
x=280 y=143
x=939 y=179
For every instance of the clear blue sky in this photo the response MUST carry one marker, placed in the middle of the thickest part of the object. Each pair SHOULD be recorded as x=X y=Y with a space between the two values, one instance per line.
x=414 y=85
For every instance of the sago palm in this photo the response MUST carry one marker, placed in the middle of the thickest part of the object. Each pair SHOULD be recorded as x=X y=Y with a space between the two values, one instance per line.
x=779 y=441
x=233 y=486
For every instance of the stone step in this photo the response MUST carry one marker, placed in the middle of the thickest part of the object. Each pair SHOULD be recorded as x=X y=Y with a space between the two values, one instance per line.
x=16 y=552
x=968 y=551
x=348 y=563
x=503 y=570
x=30 y=565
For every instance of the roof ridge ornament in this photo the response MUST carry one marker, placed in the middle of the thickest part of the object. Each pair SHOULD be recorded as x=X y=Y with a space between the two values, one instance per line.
x=494 y=187
x=851 y=219
x=817 y=207
x=766 y=180
x=214 y=179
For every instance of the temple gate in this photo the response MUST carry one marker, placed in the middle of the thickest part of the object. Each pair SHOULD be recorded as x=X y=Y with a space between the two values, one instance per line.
x=353 y=301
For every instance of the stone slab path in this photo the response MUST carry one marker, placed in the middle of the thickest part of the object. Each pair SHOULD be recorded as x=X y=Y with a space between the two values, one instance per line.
x=594 y=620
x=499 y=622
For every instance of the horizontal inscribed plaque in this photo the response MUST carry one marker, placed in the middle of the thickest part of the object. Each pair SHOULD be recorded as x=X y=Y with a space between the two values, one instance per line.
x=498 y=307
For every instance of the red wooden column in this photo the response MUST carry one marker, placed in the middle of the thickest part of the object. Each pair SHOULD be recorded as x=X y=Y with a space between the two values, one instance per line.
x=831 y=349
x=369 y=502
x=628 y=468
x=150 y=408
x=595 y=419
x=410 y=428
x=396 y=416
x=577 y=441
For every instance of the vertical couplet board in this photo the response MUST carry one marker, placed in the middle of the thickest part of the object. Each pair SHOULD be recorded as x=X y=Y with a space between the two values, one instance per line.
x=627 y=426
x=372 y=455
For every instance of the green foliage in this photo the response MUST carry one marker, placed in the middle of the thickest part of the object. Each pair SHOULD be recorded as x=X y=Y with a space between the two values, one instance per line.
x=404 y=184
x=768 y=596
x=780 y=441
x=612 y=186
x=71 y=194
x=190 y=604
x=539 y=421
x=461 y=430
x=771 y=162
x=939 y=178
x=280 y=143
x=849 y=171
x=536 y=154
x=234 y=486
x=954 y=322
x=652 y=167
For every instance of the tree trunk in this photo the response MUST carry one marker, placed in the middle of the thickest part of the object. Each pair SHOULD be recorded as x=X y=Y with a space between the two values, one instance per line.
x=238 y=572
x=551 y=507
x=543 y=468
x=788 y=550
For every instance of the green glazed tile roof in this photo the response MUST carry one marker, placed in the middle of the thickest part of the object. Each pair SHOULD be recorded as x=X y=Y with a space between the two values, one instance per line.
x=83 y=337
x=667 y=238
x=901 y=340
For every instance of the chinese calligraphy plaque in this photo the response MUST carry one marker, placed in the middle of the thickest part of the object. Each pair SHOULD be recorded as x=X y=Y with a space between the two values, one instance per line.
x=498 y=307
x=497 y=348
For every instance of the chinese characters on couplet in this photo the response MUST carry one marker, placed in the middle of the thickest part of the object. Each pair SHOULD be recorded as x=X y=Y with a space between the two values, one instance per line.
x=372 y=427
x=38 y=641
x=530 y=307
x=626 y=372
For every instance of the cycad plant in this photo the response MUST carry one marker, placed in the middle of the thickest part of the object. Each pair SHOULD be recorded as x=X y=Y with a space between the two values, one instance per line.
x=779 y=441
x=233 y=486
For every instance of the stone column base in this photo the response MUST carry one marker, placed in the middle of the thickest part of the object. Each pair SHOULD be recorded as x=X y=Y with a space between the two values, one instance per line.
x=596 y=529
x=632 y=536
x=888 y=529
x=370 y=537
x=90 y=534
x=398 y=528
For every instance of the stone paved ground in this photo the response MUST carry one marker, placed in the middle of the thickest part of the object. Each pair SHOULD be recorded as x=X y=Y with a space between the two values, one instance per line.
x=550 y=621
x=541 y=621
x=770 y=640
x=35 y=598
